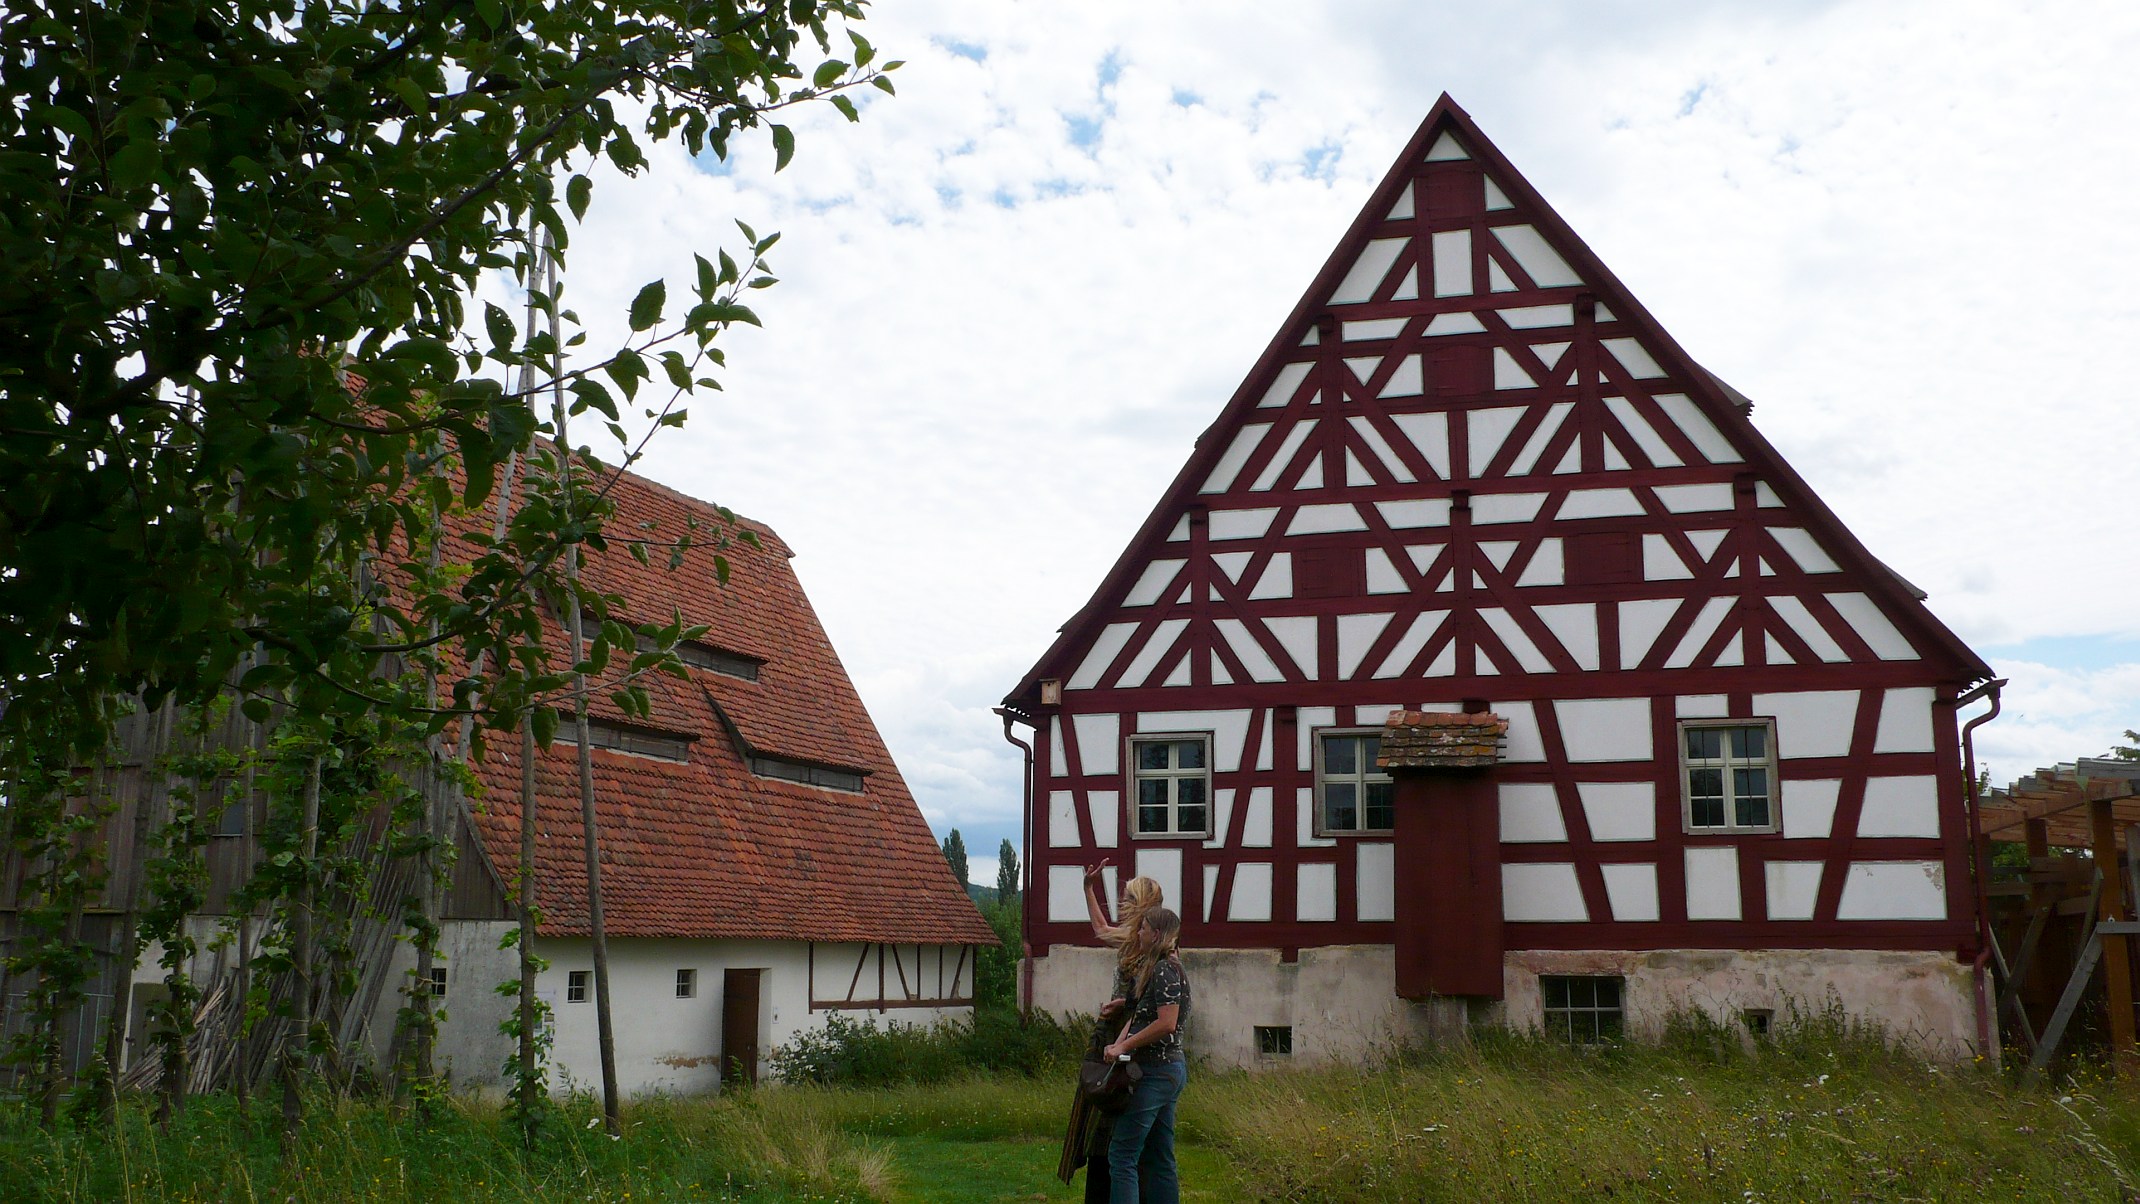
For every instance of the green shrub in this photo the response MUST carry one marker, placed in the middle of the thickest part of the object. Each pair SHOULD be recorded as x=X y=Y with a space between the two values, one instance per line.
x=860 y=1054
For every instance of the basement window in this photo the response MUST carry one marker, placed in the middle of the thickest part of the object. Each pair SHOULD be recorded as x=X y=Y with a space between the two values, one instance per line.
x=1351 y=794
x=1170 y=778
x=1729 y=775
x=576 y=985
x=1758 y=1020
x=1584 y=1009
x=1274 y=1040
x=686 y=984
x=786 y=770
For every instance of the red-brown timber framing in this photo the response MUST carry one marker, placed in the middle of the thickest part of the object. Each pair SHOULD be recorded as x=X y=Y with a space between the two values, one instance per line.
x=1615 y=479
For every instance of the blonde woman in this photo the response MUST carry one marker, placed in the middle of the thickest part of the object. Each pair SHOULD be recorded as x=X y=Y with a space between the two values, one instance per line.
x=1140 y=1156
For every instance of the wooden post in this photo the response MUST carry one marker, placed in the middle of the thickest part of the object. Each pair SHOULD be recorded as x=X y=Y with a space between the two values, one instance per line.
x=2117 y=963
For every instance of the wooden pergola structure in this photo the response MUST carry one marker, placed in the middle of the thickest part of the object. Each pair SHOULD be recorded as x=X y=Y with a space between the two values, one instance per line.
x=2056 y=919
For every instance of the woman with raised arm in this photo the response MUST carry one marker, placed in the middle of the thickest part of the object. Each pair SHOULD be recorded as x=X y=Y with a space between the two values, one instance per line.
x=1140 y=1156
x=1091 y=1129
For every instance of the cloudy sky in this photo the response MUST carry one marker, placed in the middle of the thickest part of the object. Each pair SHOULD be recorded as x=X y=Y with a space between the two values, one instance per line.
x=1012 y=296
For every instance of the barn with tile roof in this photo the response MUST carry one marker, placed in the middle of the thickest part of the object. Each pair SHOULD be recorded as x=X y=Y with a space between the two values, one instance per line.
x=1485 y=661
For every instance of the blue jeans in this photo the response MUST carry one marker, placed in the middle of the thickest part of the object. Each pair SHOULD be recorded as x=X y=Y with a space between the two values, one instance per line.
x=1140 y=1160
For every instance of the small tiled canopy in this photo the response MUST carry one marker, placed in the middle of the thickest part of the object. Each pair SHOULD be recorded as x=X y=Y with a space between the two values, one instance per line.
x=1441 y=740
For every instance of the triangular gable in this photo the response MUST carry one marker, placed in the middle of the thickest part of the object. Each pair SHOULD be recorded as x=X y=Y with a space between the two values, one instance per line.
x=1462 y=348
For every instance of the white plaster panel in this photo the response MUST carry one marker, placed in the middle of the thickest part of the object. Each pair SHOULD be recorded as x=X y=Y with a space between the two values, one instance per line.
x=1599 y=503
x=1263 y=746
x=1905 y=722
x=1062 y=820
x=1403 y=208
x=1355 y=635
x=1871 y=623
x=1631 y=891
x=1699 y=631
x=1423 y=512
x=1694 y=499
x=1371 y=435
x=1524 y=743
x=1101 y=655
x=1541 y=893
x=1363 y=366
x=1382 y=575
x=1241 y=524
x=1508 y=374
x=1229 y=730
x=1180 y=531
x=1304 y=821
x=1105 y=809
x=1372 y=329
x=1211 y=890
x=1245 y=442
x=1793 y=886
x=1634 y=357
x=1661 y=561
x=1706 y=542
x=1099 y=742
x=1282 y=459
x=1605 y=729
x=1058 y=764
x=1164 y=867
x=1415 y=638
x=1701 y=706
x=1514 y=638
x=1367 y=271
x=1530 y=814
x=1406 y=380
x=1446 y=149
x=1250 y=900
x=1286 y=385
x=1894 y=890
x=1546 y=566
x=1296 y=634
x=1533 y=317
x=1306 y=721
x=1256 y=825
x=1066 y=894
x=1692 y=422
x=1495 y=198
x=1712 y=884
x=1155 y=650
x=1459 y=322
x=1809 y=807
x=1316 y=899
x=1253 y=658
x=1277 y=578
x=1813 y=723
x=1766 y=497
x=1156 y=577
x=1322 y=519
x=1641 y=622
x=1375 y=714
x=1375 y=881
x=1793 y=611
x=1653 y=446
x=1536 y=256
x=1430 y=434
x=1900 y=806
x=1231 y=563
x=1486 y=430
x=1575 y=625
x=1804 y=549
x=1619 y=810
x=1221 y=817
x=1506 y=507
x=1548 y=427
x=1452 y=263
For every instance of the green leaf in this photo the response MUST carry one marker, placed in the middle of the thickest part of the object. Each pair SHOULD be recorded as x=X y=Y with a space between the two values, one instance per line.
x=577 y=193
x=783 y=147
x=134 y=165
x=255 y=709
x=646 y=307
x=828 y=73
x=544 y=721
x=65 y=120
x=499 y=324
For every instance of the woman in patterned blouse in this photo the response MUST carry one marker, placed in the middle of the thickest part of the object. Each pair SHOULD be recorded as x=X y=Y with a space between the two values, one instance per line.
x=1141 y=1156
x=1140 y=896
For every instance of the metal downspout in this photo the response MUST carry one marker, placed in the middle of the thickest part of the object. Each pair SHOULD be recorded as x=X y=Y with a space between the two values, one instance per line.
x=1985 y=1020
x=1025 y=869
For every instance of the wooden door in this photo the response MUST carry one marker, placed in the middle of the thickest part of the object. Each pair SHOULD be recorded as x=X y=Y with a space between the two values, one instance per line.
x=739 y=1025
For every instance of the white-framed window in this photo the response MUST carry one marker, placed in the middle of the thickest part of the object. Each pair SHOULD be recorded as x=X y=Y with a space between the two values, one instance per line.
x=436 y=982
x=1728 y=776
x=1170 y=784
x=1583 y=1008
x=1351 y=795
x=576 y=983
x=686 y=983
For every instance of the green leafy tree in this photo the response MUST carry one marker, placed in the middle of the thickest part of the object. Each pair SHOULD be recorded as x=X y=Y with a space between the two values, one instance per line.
x=955 y=853
x=2127 y=752
x=1007 y=874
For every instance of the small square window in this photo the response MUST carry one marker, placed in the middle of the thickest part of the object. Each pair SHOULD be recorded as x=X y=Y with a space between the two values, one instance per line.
x=1584 y=1009
x=437 y=982
x=686 y=984
x=1170 y=778
x=1274 y=1040
x=576 y=985
x=1758 y=1020
x=1351 y=794
x=1728 y=773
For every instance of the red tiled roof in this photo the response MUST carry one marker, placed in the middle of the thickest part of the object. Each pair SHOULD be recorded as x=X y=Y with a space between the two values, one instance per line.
x=704 y=848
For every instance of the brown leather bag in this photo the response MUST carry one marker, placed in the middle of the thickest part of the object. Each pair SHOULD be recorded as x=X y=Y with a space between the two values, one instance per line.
x=1108 y=1085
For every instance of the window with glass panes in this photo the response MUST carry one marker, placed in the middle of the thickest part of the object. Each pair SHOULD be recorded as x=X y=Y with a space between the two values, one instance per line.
x=1351 y=794
x=1171 y=782
x=1585 y=1009
x=1730 y=776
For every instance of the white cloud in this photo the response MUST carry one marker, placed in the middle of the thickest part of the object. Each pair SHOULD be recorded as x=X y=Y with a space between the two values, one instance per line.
x=1013 y=296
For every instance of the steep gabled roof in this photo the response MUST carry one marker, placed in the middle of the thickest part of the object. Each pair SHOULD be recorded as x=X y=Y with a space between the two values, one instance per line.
x=704 y=847
x=1381 y=285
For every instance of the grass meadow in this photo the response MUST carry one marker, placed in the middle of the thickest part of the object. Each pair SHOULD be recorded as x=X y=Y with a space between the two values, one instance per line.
x=1705 y=1116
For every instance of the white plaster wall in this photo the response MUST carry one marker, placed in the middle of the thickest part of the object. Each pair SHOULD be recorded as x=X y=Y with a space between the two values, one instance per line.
x=1925 y=998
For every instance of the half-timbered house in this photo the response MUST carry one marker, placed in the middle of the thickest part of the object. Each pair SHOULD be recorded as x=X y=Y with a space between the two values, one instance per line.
x=1671 y=737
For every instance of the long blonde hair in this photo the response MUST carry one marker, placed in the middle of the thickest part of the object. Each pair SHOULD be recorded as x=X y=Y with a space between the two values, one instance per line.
x=1143 y=959
x=1140 y=896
